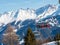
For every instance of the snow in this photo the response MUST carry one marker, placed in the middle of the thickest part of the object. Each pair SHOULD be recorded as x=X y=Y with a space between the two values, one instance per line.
x=6 y=18
x=15 y=30
x=25 y=14
x=48 y=12
x=22 y=41
x=50 y=43
x=51 y=23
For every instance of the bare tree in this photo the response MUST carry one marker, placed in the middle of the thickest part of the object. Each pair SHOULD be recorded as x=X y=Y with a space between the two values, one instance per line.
x=10 y=37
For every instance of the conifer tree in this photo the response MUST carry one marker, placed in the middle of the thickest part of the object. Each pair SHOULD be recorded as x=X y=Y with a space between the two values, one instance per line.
x=30 y=38
x=58 y=38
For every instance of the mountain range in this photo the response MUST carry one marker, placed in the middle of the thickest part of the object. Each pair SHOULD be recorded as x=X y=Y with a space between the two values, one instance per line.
x=24 y=18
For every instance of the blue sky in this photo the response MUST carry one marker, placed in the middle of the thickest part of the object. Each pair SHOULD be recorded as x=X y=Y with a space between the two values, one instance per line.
x=8 y=5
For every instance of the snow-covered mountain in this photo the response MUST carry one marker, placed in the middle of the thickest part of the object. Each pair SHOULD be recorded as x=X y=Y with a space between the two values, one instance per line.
x=46 y=12
x=23 y=18
x=19 y=15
